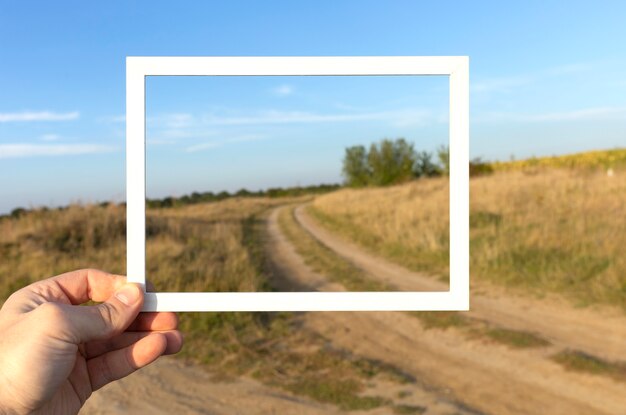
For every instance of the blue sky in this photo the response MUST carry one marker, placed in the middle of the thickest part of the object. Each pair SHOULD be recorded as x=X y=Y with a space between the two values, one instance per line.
x=546 y=78
x=256 y=132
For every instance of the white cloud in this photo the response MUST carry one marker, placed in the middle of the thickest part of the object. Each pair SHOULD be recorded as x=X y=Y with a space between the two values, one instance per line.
x=587 y=114
x=38 y=116
x=283 y=90
x=411 y=117
x=160 y=141
x=177 y=133
x=219 y=143
x=502 y=84
x=178 y=120
x=113 y=119
x=346 y=107
x=571 y=68
x=245 y=138
x=509 y=83
x=172 y=126
x=168 y=128
x=202 y=146
x=400 y=117
x=33 y=150
x=49 y=137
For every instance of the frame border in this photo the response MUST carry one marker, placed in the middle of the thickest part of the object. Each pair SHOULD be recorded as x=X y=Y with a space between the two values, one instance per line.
x=456 y=67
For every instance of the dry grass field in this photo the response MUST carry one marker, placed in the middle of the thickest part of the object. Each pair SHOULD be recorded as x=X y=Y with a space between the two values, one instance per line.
x=559 y=230
x=538 y=230
x=588 y=160
x=43 y=243
x=192 y=248
x=189 y=249
x=406 y=223
x=203 y=247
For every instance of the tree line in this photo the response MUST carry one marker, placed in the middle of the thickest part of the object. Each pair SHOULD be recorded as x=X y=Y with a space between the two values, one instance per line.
x=390 y=162
x=205 y=197
x=201 y=197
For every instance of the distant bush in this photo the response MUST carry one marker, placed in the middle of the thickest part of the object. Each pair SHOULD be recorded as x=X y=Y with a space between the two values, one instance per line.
x=18 y=213
x=356 y=169
x=478 y=167
x=206 y=197
x=388 y=162
x=443 y=154
x=391 y=162
x=424 y=166
x=602 y=159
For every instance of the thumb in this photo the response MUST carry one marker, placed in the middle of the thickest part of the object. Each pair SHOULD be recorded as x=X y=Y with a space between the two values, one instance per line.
x=105 y=320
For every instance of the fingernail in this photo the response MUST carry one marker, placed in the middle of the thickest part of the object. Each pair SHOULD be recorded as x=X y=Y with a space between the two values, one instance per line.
x=128 y=294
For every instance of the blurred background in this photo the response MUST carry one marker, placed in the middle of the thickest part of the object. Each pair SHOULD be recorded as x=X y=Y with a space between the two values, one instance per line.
x=335 y=183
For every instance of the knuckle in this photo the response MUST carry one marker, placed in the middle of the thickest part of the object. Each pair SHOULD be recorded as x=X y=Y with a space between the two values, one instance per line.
x=104 y=373
x=108 y=318
x=83 y=271
x=51 y=313
x=107 y=371
x=54 y=320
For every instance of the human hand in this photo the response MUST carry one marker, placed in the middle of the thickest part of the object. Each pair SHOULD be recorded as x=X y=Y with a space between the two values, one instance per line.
x=54 y=353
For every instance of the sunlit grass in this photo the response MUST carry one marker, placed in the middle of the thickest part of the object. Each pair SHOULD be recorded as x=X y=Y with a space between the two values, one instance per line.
x=582 y=362
x=321 y=259
x=560 y=231
x=202 y=247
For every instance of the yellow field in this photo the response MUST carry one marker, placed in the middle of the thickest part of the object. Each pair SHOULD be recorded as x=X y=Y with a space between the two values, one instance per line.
x=208 y=247
x=407 y=223
x=204 y=247
x=189 y=248
x=561 y=230
x=605 y=159
x=44 y=243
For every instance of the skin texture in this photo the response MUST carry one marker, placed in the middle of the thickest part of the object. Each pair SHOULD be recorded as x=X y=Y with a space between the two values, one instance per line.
x=54 y=353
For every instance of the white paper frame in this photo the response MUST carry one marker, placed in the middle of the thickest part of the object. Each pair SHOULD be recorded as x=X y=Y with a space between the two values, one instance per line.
x=456 y=67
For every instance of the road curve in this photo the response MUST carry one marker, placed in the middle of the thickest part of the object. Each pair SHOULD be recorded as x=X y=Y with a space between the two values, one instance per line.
x=480 y=376
x=601 y=333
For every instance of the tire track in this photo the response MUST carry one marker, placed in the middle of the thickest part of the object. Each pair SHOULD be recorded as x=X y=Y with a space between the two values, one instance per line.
x=600 y=333
x=488 y=377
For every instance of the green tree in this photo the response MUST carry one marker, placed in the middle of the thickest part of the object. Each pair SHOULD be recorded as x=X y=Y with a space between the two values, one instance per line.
x=355 y=169
x=424 y=165
x=391 y=161
x=443 y=154
x=478 y=167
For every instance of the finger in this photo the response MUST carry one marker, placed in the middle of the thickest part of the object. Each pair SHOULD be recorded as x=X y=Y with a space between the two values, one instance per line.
x=120 y=363
x=81 y=324
x=99 y=347
x=74 y=287
x=154 y=321
x=88 y=284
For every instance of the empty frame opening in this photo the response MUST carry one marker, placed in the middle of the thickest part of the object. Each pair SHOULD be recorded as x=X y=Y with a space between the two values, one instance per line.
x=297 y=183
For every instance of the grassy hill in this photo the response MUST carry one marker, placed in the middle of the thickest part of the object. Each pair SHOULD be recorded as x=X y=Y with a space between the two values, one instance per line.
x=197 y=247
x=558 y=230
x=547 y=229
x=604 y=159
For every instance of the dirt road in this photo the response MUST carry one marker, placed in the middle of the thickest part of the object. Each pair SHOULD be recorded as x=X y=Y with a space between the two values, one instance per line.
x=484 y=376
x=455 y=374
x=170 y=386
x=601 y=333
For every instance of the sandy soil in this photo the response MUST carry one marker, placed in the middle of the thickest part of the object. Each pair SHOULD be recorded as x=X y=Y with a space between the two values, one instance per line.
x=454 y=374
x=171 y=386
x=487 y=377
x=598 y=331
